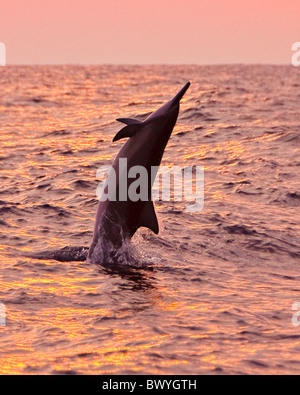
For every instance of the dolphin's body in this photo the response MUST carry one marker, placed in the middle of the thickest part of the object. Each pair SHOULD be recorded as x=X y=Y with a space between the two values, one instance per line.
x=118 y=220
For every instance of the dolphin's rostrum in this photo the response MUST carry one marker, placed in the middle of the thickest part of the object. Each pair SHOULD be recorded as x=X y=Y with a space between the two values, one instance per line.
x=118 y=219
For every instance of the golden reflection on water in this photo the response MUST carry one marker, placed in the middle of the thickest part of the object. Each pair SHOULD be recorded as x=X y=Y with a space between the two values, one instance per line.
x=67 y=321
x=217 y=298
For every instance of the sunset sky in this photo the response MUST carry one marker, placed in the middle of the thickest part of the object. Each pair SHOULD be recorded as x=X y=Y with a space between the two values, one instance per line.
x=149 y=31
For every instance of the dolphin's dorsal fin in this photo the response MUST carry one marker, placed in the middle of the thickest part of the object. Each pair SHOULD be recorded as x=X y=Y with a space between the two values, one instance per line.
x=148 y=217
x=128 y=121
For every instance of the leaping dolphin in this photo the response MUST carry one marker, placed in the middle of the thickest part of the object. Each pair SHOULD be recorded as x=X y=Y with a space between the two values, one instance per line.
x=118 y=219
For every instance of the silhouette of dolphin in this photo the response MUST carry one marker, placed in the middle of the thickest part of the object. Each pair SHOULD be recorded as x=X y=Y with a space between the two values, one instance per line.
x=118 y=219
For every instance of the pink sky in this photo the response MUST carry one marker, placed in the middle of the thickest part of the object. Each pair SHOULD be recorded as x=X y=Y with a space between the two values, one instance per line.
x=149 y=31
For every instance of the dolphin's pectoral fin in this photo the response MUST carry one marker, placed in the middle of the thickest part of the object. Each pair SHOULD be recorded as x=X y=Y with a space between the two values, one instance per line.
x=148 y=218
x=128 y=131
x=129 y=121
x=133 y=126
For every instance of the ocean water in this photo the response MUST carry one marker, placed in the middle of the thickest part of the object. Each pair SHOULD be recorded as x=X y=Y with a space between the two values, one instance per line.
x=218 y=298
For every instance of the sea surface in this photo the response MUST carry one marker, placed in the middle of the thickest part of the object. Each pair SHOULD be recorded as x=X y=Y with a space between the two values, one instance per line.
x=218 y=294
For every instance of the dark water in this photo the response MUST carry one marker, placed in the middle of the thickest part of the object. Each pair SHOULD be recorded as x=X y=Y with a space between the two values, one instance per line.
x=220 y=293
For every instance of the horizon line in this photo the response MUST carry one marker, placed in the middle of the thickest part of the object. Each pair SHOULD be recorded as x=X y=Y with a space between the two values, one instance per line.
x=149 y=64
